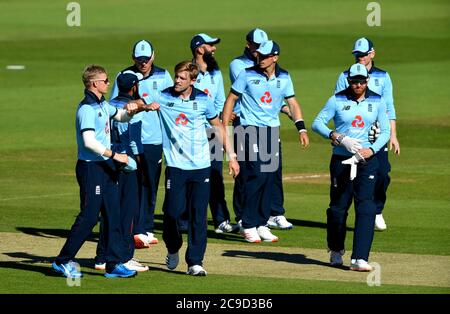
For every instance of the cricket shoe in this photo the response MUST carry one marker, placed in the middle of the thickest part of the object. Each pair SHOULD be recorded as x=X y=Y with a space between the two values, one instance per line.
x=69 y=269
x=133 y=264
x=141 y=241
x=279 y=222
x=380 y=224
x=121 y=271
x=266 y=235
x=172 y=260
x=196 y=270
x=336 y=258
x=151 y=239
x=100 y=266
x=225 y=227
x=251 y=235
x=360 y=265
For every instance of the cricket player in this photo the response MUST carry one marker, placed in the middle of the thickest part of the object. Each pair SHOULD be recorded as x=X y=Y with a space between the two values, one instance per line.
x=210 y=81
x=353 y=166
x=380 y=83
x=149 y=149
x=184 y=111
x=277 y=219
x=262 y=89
x=97 y=177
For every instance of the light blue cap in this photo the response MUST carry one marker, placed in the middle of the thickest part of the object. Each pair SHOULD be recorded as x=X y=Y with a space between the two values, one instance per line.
x=363 y=45
x=358 y=70
x=269 y=48
x=142 y=48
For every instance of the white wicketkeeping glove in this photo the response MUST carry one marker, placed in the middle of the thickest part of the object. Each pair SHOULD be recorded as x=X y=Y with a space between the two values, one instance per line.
x=351 y=144
x=353 y=162
x=374 y=132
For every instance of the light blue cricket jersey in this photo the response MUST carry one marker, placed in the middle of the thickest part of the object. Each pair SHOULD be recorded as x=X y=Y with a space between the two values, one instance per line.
x=354 y=119
x=121 y=137
x=149 y=87
x=379 y=82
x=262 y=97
x=93 y=114
x=185 y=143
x=236 y=66
x=211 y=83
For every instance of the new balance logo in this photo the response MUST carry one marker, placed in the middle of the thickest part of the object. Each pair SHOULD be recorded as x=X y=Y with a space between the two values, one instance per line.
x=345 y=108
x=170 y=104
x=256 y=82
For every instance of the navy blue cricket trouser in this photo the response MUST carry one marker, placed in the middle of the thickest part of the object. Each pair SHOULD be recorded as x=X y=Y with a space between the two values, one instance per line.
x=383 y=180
x=186 y=190
x=277 y=207
x=342 y=193
x=98 y=193
x=129 y=206
x=261 y=164
x=149 y=172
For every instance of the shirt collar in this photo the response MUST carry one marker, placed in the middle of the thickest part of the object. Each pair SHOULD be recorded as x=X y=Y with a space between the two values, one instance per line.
x=91 y=98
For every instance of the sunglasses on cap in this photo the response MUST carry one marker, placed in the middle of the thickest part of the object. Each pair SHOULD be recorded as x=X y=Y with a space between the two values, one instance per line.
x=142 y=59
x=361 y=54
x=355 y=81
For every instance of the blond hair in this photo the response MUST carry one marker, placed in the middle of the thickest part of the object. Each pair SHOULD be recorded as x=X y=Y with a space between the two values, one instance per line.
x=90 y=72
x=188 y=66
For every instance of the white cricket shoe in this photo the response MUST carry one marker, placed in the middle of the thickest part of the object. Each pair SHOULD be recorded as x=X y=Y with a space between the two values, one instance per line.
x=101 y=266
x=225 y=226
x=151 y=239
x=141 y=241
x=266 y=235
x=360 y=265
x=279 y=222
x=380 y=224
x=133 y=264
x=251 y=235
x=336 y=258
x=196 y=270
x=172 y=260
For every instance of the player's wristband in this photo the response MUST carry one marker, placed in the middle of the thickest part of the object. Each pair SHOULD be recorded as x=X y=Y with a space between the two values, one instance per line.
x=300 y=125
x=113 y=153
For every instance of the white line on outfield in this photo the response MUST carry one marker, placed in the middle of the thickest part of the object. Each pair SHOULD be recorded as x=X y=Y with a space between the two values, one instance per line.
x=34 y=196
x=15 y=67
x=313 y=176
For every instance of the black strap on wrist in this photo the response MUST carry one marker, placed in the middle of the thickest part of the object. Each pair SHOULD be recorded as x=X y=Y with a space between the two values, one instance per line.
x=113 y=153
x=300 y=125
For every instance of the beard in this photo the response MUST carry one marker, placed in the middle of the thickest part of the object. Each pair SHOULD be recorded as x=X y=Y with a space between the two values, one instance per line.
x=211 y=63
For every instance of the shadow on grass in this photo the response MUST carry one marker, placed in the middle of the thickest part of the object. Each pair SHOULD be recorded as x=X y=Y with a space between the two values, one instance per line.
x=280 y=257
x=34 y=263
x=51 y=233
x=312 y=224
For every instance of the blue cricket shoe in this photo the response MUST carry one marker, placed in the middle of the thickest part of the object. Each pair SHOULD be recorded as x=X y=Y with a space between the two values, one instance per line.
x=69 y=269
x=121 y=271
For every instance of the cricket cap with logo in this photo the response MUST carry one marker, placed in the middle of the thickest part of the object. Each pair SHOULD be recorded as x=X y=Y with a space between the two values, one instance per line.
x=269 y=48
x=201 y=39
x=127 y=79
x=257 y=36
x=358 y=71
x=143 y=50
x=362 y=46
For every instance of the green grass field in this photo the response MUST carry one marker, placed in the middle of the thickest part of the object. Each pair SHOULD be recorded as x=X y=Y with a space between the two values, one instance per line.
x=38 y=190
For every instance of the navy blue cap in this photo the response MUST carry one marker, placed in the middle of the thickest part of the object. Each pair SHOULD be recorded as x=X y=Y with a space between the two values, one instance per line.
x=201 y=39
x=127 y=79
x=257 y=36
x=269 y=48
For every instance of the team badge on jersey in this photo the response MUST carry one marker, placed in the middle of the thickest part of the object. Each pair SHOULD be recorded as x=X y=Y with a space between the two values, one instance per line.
x=377 y=82
x=155 y=85
x=278 y=83
x=181 y=119
x=369 y=107
x=194 y=105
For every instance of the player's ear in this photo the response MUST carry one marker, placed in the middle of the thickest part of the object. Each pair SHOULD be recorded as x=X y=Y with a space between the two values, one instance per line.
x=275 y=58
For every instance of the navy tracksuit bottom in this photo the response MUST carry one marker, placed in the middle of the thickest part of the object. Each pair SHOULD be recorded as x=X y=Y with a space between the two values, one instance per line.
x=383 y=180
x=98 y=193
x=342 y=192
x=149 y=174
x=186 y=191
x=129 y=206
x=260 y=166
x=277 y=207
